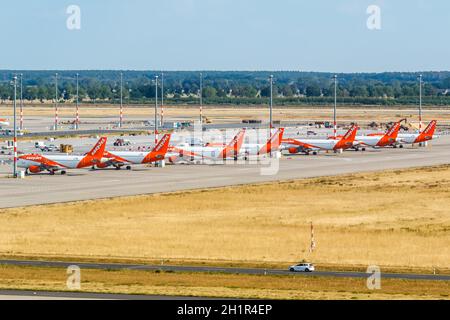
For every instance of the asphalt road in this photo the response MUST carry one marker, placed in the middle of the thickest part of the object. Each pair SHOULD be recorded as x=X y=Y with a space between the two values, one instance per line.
x=206 y=269
x=49 y=295
x=85 y=184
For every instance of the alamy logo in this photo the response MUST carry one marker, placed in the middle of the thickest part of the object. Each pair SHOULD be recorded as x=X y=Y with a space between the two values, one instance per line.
x=374 y=280
x=236 y=139
x=374 y=20
x=73 y=22
x=74 y=278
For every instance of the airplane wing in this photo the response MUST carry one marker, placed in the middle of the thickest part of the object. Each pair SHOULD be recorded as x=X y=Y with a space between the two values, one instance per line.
x=112 y=160
x=176 y=154
x=296 y=146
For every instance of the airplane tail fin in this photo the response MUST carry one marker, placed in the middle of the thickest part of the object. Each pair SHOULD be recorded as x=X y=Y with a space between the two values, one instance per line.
x=163 y=145
x=392 y=133
x=276 y=139
x=429 y=131
x=350 y=135
x=95 y=155
x=274 y=142
x=233 y=148
x=99 y=149
x=280 y=136
x=238 y=140
x=348 y=139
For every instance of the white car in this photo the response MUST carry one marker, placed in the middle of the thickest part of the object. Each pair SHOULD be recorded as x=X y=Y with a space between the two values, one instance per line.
x=302 y=267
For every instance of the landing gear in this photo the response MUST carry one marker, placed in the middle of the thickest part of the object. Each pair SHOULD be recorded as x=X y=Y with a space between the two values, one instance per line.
x=118 y=168
x=315 y=153
x=63 y=172
x=128 y=167
x=52 y=173
x=401 y=146
x=363 y=149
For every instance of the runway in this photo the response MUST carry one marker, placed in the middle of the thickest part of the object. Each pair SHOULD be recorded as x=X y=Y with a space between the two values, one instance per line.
x=85 y=184
x=206 y=269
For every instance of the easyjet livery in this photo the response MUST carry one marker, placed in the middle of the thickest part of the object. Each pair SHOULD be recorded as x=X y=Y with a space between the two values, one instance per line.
x=377 y=141
x=35 y=163
x=272 y=145
x=425 y=136
x=119 y=159
x=185 y=152
x=314 y=145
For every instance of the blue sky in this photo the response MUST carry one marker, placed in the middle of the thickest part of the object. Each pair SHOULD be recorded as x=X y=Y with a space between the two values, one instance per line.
x=319 y=35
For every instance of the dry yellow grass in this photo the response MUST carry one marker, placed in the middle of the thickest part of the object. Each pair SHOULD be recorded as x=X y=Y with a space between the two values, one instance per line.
x=394 y=218
x=220 y=285
x=237 y=113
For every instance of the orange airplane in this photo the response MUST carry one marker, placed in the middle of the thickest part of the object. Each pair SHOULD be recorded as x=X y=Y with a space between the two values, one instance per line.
x=35 y=163
x=119 y=159
x=315 y=145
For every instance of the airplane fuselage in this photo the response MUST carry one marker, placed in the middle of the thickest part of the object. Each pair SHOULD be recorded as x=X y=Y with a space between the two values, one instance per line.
x=373 y=141
x=411 y=138
x=130 y=157
x=61 y=161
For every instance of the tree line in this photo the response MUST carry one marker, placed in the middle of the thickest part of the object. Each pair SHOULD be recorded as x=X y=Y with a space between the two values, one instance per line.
x=231 y=87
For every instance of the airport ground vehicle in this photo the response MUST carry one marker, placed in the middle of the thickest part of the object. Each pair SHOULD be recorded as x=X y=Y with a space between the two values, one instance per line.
x=36 y=163
x=66 y=148
x=50 y=148
x=39 y=144
x=44 y=148
x=308 y=146
x=9 y=132
x=302 y=267
x=118 y=159
x=122 y=142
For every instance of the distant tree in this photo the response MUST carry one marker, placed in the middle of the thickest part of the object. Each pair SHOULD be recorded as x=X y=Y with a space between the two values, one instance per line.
x=446 y=83
x=265 y=92
x=287 y=91
x=31 y=93
x=429 y=90
x=221 y=93
x=42 y=93
x=5 y=91
x=313 y=90
x=389 y=91
x=245 y=91
x=209 y=92
x=408 y=91
x=359 y=91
